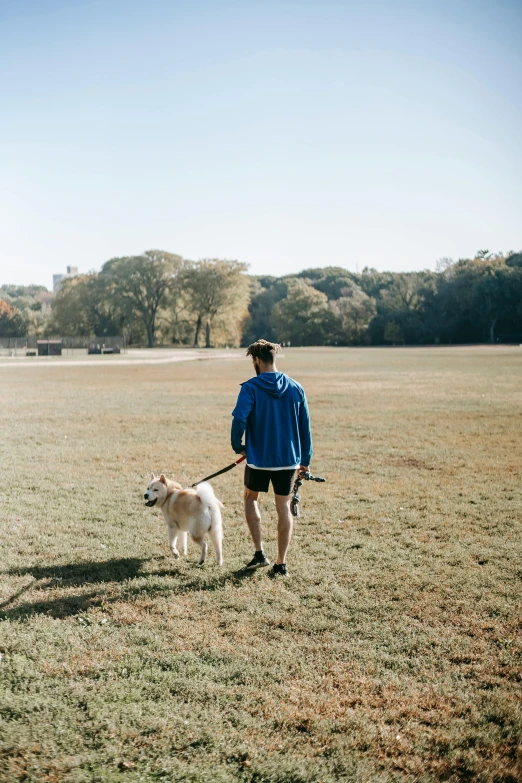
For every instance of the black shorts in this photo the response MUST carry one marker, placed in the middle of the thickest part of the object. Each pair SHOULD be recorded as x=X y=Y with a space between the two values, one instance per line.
x=259 y=480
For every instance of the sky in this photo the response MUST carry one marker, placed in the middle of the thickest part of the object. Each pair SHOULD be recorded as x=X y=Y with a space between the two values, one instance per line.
x=286 y=134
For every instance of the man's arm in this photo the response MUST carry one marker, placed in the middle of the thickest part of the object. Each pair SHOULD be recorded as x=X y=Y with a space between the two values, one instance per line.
x=305 y=434
x=236 y=436
x=244 y=405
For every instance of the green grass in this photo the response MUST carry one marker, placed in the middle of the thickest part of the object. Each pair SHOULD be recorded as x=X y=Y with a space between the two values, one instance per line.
x=393 y=651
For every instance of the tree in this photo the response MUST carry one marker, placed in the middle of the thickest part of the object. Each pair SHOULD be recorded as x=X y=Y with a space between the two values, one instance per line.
x=355 y=310
x=304 y=317
x=373 y=283
x=444 y=265
x=83 y=306
x=143 y=282
x=34 y=304
x=514 y=260
x=393 y=333
x=12 y=323
x=430 y=312
x=330 y=280
x=265 y=293
x=490 y=298
x=404 y=292
x=478 y=297
x=71 y=311
x=213 y=286
x=412 y=302
x=75 y=307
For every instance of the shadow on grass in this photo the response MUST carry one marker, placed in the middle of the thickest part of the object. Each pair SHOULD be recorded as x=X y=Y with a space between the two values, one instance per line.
x=75 y=574
x=122 y=571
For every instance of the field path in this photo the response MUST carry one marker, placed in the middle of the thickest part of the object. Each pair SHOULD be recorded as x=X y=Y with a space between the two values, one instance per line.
x=135 y=357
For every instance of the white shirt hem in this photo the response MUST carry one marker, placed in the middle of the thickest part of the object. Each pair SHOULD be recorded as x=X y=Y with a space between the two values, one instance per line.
x=290 y=467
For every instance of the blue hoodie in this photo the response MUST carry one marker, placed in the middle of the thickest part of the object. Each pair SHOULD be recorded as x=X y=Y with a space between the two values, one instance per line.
x=272 y=408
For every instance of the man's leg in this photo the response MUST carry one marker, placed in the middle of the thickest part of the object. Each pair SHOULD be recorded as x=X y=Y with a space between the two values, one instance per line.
x=253 y=517
x=285 y=525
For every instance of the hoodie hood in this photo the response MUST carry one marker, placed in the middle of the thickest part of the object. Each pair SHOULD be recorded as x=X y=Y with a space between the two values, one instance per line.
x=273 y=383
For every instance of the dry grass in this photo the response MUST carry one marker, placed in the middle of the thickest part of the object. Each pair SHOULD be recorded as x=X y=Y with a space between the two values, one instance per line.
x=392 y=653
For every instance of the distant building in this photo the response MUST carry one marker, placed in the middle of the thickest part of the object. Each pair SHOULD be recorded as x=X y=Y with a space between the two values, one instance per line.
x=72 y=271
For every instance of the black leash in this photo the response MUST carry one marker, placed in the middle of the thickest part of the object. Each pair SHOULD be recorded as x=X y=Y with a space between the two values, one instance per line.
x=296 y=497
x=219 y=472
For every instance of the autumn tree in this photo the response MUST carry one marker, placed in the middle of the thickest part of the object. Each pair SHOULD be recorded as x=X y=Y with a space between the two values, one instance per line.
x=144 y=283
x=34 y=304
x=213 y=286
x=12 y=323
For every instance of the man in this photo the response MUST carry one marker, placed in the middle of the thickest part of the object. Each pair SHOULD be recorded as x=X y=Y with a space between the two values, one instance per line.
x=272 y=408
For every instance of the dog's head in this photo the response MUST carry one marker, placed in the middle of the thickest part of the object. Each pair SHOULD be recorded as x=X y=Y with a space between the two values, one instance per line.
x=156 y=490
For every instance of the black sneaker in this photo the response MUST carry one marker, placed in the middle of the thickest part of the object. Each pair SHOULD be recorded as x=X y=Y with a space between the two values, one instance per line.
x=279 y=569
x=260 y=560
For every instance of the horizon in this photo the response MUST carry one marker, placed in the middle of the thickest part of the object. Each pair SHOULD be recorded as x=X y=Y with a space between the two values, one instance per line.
x=282 y=135
x=358 y=272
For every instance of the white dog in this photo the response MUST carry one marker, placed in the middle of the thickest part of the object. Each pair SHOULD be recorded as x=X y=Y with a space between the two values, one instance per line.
x=194 y=511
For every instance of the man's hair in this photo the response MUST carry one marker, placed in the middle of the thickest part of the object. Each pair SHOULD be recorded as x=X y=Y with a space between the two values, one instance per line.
x=263 y=350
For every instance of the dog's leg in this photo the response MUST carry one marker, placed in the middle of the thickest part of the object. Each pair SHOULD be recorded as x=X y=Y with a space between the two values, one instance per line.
x=183 y=541
x=203 y=544
x=173 y=532
x=216 y=532
x=216 y=536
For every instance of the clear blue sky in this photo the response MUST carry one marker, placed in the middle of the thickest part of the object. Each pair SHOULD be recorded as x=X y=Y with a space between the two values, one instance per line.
x=286 y=133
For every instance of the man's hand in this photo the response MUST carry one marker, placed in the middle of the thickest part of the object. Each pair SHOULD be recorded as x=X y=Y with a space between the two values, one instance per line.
x=304 y=468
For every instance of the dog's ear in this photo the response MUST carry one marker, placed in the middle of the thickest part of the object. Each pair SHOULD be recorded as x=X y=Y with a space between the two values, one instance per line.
x=163 y=479
x=152 y=477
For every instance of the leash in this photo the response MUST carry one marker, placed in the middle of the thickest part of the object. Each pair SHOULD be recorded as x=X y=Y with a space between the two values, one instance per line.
x=296 y=497
x=219 y=472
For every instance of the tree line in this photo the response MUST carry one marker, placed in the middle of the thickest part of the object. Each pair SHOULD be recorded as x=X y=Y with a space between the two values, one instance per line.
x=155 y=297
x=160 y=298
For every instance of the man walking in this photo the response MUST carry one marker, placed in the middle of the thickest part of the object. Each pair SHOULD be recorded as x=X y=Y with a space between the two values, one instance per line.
x=273 y=411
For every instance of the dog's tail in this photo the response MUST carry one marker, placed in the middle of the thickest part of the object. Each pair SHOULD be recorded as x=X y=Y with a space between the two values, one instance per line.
x=206 y=493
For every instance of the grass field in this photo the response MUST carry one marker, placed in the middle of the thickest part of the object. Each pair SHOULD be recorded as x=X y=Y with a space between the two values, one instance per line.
x=393 y=651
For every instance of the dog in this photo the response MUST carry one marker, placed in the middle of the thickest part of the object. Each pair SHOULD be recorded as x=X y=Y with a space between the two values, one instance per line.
x=195 y=511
